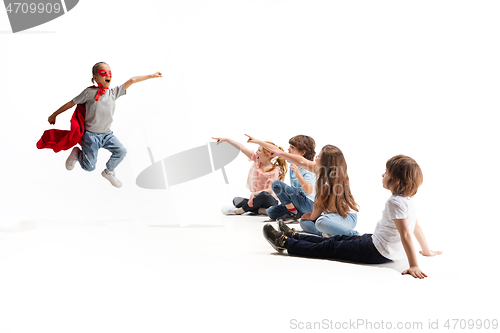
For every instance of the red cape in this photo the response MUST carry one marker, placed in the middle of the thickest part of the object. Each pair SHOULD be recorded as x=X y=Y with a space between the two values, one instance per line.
x=58 y=140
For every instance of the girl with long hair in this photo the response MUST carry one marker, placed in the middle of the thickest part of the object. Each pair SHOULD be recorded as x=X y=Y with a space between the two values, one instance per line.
x=334 y=211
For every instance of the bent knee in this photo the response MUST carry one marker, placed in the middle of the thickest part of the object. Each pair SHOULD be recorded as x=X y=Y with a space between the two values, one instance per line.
x=274 y=212
x=87 y=165
x=320 y=223
x=277 y=186
x=122 y=151
x=305 y=224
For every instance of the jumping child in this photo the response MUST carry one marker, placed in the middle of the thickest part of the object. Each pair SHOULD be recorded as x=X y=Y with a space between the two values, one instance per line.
x=265 y=169
x=100 y=107
x=392 y=234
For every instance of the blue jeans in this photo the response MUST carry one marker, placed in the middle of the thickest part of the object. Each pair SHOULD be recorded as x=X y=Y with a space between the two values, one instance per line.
x=92 y=142
x=333 y=224
x=288 y=195
x=351 y=248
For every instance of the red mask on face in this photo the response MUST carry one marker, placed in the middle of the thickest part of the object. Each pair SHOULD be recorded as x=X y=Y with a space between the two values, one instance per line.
x=103 y=73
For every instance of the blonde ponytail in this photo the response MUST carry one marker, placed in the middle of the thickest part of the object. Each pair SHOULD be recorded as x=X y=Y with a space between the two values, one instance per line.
x=277 y=162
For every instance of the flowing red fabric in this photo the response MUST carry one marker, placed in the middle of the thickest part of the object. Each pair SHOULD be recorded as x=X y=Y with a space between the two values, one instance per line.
x=58 y=140
x=100 y=92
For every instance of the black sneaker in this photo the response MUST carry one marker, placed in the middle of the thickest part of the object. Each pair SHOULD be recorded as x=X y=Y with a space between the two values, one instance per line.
x=275 y=238
x=290 y=217
x=286 y=230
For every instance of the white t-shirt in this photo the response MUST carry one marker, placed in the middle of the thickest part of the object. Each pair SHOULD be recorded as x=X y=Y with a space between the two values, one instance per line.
x=386 y=237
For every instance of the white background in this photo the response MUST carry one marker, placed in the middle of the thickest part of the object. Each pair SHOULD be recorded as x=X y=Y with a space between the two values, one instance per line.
x=375 y=78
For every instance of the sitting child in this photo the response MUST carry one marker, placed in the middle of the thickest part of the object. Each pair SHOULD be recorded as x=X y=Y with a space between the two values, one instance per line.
x=298 y=197
x=392 y=236
x=265 y=169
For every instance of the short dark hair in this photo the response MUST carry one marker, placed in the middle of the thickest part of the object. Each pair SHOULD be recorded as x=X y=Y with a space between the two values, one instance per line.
x=306 y=143
x=405 y=175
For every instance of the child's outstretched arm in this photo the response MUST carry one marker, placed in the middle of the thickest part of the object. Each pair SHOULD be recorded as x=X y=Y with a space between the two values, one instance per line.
x=405 y=234
x=308 y=188
x=67 y=106
x=419 y=235
x=297 y=159
x=261 y=143
x=235 y=144
x=136 y=79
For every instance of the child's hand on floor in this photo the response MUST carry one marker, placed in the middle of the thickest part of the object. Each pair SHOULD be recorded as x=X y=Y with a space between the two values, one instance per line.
x=415 y=272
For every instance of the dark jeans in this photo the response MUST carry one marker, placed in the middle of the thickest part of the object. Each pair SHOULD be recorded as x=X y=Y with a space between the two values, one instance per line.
x=261 y=200
x=287 y=195
x=357 y=248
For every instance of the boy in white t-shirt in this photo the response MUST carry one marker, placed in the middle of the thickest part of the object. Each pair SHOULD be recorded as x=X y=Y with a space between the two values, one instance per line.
x=392 y=234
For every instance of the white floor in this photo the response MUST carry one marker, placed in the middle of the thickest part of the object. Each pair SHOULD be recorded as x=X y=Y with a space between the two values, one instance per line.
x=214 y=273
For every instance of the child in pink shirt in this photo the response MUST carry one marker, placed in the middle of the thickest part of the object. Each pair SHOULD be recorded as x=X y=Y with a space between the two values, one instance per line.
x=265 y=169
x=258 y=179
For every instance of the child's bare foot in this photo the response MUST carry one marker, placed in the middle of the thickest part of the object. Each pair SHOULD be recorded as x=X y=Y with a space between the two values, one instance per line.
x=431 y=253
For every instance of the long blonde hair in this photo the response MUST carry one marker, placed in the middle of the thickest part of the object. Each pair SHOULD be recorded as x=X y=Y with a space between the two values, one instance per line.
x=277 y=162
